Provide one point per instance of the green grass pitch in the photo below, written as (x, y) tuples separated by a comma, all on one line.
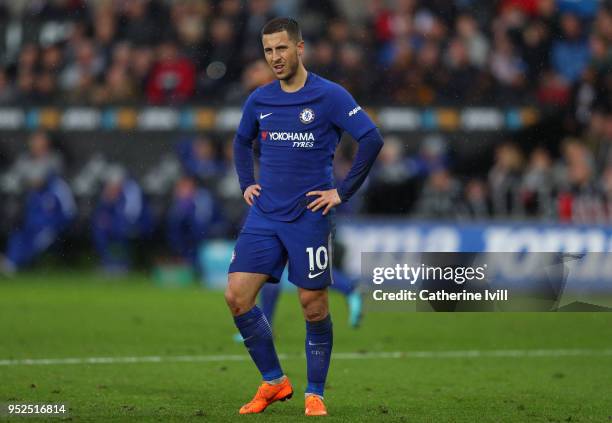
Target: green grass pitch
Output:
[(58, 316)]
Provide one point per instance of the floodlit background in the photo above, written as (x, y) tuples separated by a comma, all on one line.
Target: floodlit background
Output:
[(117, 178)]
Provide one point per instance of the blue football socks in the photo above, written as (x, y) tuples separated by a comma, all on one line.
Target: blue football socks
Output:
[(268, 297), (319, 341), (257, 335)]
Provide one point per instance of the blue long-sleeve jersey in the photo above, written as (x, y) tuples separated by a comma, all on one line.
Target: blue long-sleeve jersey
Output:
[(298, 133)]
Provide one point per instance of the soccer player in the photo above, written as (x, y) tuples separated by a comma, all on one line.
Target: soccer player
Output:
[(298, 121)]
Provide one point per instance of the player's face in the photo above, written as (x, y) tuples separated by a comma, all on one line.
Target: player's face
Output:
[(282, 54)]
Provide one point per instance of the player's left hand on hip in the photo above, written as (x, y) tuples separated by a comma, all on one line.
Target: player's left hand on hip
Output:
[(327, 200)]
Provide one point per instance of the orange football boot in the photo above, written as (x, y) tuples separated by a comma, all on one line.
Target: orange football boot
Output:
[(266, 395), (314, 406)]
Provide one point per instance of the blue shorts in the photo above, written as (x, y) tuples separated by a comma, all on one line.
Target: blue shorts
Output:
[(265, 246)]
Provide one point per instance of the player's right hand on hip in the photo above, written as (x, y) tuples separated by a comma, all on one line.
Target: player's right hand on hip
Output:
[(250, 192)]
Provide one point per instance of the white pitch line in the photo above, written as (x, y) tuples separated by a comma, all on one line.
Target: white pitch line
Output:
[(335, 356)]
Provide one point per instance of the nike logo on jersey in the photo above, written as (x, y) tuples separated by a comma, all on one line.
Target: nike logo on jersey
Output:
[(262, 116), (310, 275)]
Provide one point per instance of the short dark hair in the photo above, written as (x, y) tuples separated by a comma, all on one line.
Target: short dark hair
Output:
[(283, 24)]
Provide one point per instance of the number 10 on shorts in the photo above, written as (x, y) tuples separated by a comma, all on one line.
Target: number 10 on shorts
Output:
[(319, 257)]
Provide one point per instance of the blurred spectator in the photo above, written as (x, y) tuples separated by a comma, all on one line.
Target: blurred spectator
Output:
[(476, 204), (461, 73), (121, 217), (158, 184), (603, 23), (143, 22), (40, 154), (583, 97), (79, 76), (28, 58), (321, 59), (553, 90), (45, 86), (476, 43), (434, 73), (121, 55), (602, 134), (190, 219), (433, 155), (199, 159), (116, 88), (404, 39), (141, 63), (582, 8), (508, 69), (596, 139), (535, 45), (440, 196), (172, 78), (189, 19), (393, 80), (505, 180), (391, 166), (570, 55), (581, 200), (105, 30), (539, 184), (48, 212), (391, 189), (26, 88), (355, 75)]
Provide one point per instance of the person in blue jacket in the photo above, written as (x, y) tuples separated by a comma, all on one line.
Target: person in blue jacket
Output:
[(190, 219), (120, 217), (49, 210), (198, 158)]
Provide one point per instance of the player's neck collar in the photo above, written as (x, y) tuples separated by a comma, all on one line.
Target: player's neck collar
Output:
[(308, 74)]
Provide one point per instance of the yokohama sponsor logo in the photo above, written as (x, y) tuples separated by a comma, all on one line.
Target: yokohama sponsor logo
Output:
[(288, 136)]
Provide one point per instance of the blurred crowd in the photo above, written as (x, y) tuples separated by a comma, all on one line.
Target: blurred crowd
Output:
[(404, 51), (573, 184), (555, 53), (187, 197), (193, 194)]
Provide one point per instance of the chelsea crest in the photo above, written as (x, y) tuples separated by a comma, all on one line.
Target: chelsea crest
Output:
[(307, 116)]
